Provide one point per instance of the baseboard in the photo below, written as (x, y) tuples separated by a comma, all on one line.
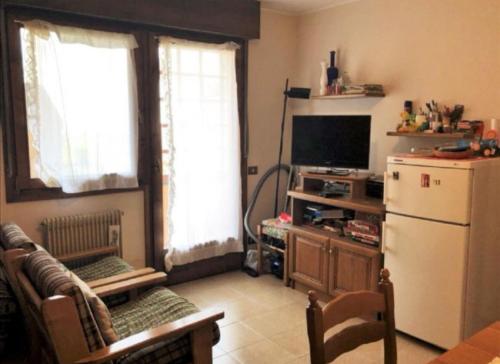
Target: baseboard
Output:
[(205, 268)]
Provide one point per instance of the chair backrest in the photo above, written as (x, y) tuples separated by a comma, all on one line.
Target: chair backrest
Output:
[(57, 310), (347, 306)]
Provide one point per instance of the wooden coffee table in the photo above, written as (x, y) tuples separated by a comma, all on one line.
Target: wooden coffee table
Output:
[(481, 348)]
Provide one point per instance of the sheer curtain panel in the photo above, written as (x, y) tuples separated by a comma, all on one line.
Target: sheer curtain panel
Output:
[(201, 142), (81, 104)]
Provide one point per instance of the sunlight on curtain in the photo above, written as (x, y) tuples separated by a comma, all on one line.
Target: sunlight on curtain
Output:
[(81, 103), (201, 140)]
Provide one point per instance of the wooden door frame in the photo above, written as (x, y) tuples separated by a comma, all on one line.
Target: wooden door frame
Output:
[(154, 217)]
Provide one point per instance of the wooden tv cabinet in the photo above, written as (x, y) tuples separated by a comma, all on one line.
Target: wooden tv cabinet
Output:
[(323, 260)]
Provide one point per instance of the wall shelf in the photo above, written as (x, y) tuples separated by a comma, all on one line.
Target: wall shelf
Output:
[(431, 135), (355, 96)]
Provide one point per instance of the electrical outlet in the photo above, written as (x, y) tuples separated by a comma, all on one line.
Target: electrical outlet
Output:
[(252, 170), (114, 235)]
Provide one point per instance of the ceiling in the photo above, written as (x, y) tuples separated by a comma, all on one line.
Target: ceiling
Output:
[(301, 6)]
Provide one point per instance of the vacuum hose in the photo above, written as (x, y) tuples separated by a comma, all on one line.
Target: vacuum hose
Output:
[(255, 195)]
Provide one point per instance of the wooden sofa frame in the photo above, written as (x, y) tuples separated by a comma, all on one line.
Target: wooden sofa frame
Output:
[(57, 317), (126, 282)]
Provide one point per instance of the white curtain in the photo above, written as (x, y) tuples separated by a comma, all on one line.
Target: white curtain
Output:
[(81, 103), (201, 140)]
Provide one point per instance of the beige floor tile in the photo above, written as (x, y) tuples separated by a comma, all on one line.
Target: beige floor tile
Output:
[(263, 352), (236, 336), (356, 357), (225, 359), (221, 294), (233, 278), (294, 341), (206, 295), (373, 351), (413, 351), (301, 360), (265, 322), (217, 351), (271, 297), (237, 310), (279, 320)]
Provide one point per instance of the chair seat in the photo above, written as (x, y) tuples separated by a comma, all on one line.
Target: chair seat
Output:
[(154, 308), (103, 268)]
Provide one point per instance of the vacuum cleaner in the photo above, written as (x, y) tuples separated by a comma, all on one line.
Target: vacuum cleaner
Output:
[(250, 265)]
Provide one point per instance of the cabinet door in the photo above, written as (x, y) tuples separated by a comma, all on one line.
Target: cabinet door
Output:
[(352, 267), (309, 260)]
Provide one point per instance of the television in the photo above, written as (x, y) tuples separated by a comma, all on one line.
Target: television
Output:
[(334, 141)]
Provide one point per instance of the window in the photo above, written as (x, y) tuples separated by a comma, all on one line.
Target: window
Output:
[(201, 144), (81, 107), (96, 129), (80, 114)]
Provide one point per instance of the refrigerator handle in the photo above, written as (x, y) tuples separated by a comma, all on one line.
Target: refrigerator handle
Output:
[(386, 179), (383, 247)]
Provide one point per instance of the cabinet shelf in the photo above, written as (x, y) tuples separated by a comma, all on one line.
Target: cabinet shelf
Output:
[(431, 135), (353, 96), (367, 205)]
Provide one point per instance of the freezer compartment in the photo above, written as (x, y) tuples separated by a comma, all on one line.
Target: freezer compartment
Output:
[(427, 261), (441, 194)]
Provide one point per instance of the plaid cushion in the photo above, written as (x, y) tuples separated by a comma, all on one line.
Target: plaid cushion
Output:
[(99, 310), (154, 308), (49, 279), (13, 237), (103, 268)]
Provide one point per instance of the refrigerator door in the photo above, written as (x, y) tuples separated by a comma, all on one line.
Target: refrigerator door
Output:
[(427, 263), (441, 194)]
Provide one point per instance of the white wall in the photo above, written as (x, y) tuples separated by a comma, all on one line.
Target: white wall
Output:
[(272, 59), (28, 215), (446, 50)]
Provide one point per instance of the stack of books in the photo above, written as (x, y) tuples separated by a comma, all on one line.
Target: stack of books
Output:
[(368, 89), (363, 232)]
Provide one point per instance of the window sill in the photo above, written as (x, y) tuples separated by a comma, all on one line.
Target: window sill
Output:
[(41, 194)]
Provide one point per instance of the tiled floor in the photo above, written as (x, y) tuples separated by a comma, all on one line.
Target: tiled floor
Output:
[(265, 323)]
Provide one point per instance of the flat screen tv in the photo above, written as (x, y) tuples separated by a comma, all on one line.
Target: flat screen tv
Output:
[(334, 141)]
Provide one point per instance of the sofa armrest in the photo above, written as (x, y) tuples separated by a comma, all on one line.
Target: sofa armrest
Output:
[(198, 322), (120, 277), (131, 284)]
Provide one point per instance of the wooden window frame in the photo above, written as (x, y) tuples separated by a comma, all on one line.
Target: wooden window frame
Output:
[(19, 185), (150, 150)]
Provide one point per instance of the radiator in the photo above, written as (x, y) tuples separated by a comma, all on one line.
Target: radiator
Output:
[(82, 236)]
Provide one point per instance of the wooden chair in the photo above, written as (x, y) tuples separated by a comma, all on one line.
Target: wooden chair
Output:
[(55, 323), (359, 304)]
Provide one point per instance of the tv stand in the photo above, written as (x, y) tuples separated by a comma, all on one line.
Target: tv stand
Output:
[(322, 258)]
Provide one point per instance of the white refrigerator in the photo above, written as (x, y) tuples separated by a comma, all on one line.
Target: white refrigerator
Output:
[(441, 243)]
